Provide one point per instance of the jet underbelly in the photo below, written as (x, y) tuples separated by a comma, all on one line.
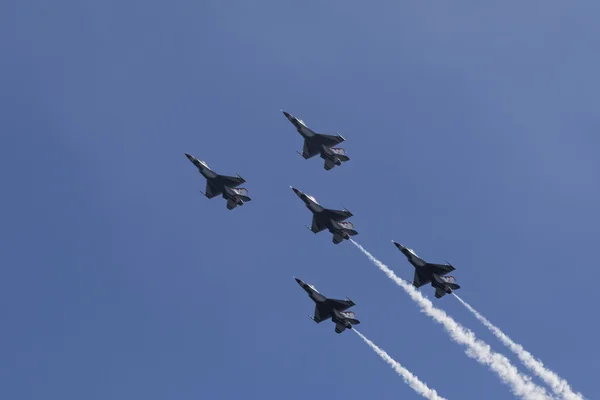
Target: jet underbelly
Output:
[(208, 174), (315, 207), (304, 131), (417, 261), (317, 297)]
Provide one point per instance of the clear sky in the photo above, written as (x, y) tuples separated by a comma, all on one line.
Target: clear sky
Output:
[(473, 131)]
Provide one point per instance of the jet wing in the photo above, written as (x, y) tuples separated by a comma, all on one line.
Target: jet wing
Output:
[(211, 190), (329, 140), (423, 274), (231, 181), (420, 278), (312, 146), (310, 149), (440, 269), (338, 215), (316, 225), (340, 305), (321, 313), (323, 310)]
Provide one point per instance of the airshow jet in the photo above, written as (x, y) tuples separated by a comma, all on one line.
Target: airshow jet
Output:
[(330, 308), (426, 272), (323, 218), (318, 143), (221, 184)]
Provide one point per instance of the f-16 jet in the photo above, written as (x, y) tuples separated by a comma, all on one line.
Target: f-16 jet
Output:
[(426, 272), (323, 218), (221, 184), (318, 143), (330, 308)]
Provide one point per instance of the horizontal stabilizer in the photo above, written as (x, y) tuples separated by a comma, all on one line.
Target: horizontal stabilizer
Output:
[(337, 238), (231, 204), (329, 164), (439, 293), (339, 328)]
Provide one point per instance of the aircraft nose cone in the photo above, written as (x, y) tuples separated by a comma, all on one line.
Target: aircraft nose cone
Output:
[(296, 191), (299, 281), (189, 157), (398, 245), (288, 116)]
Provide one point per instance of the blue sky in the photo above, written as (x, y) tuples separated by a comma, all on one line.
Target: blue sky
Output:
[(473, 132)]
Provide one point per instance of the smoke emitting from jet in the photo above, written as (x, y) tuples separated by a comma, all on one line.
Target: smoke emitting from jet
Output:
[(557, 384), (521, 385), (412, 381)]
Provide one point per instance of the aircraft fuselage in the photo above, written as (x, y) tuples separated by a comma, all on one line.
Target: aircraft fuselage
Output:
[(314, 207), (312, 292), (204, 170)]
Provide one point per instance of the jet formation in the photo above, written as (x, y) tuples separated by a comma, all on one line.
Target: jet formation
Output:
[(326, 219)]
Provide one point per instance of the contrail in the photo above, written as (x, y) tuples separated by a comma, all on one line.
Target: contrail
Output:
[(412, 381), (559, 386), (521, 385)]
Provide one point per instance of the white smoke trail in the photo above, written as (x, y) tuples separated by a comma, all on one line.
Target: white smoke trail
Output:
[(412, 381), (521, 385), (559, 386)]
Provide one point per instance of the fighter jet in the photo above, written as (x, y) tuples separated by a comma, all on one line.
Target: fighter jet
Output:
[(317, 143), (426, 272), (324, 218), (221, 184), (330, 308)]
